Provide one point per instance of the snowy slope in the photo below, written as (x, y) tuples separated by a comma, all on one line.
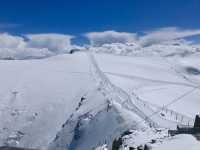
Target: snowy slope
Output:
[(42, 96), (79, 102), (155, 79), (103, 116), (37, 96)]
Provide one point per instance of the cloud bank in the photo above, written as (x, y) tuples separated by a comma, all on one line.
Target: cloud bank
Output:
[(9, 41), (43, 45), (35, 45), (151, 37), (108, 37), (166, 34), (53, 42), (167, 41)]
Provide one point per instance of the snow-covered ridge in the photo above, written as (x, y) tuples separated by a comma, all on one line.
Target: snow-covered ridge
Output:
[(161, 49)]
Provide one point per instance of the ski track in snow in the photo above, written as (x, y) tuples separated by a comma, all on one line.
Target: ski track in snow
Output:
[(124, 100), (146, 112), (132, 77)]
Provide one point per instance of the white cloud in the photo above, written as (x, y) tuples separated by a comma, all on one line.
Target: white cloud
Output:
[(36, 46), (42, 45), (107, 37), (54, 42), (166, 34), (152, 37), (9, 41)]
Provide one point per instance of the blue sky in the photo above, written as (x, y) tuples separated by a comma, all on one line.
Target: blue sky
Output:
[(80, 16)]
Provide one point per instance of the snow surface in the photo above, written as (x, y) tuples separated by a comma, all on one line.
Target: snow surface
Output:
[(81, 101), (182, 142), (154, 79), (159, 141), (37, 96)]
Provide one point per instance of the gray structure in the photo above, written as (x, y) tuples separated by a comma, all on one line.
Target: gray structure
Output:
[(195, 130)]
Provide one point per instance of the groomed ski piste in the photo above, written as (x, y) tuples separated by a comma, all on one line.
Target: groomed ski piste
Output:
[(86, 100)]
